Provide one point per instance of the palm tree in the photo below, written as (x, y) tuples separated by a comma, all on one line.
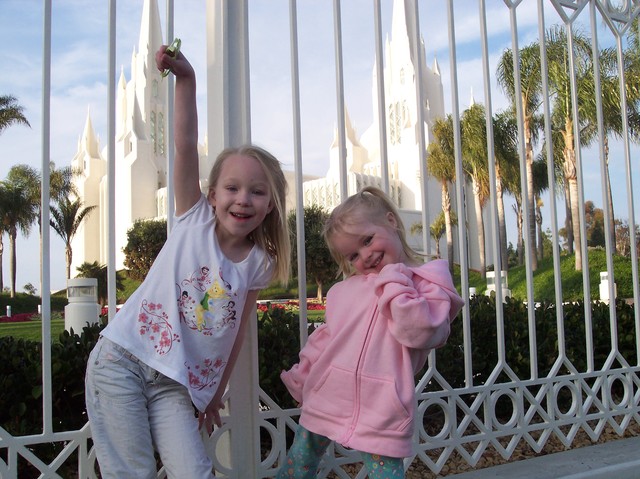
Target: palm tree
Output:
[(100, 272), (11, 112), (19, 216), (507, 166), (441, 165), (474, 148), (541, 183), (612, 111), (562, 117), (66, 219), (436, 229), (530, 100), (30, 180)]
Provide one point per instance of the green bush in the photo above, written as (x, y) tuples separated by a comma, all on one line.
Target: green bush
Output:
[(278, 347), (484, 329), (26, 303), (21, 381), (278, 331)]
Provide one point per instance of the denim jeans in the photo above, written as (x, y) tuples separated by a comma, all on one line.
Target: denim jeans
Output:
[(133, 409)]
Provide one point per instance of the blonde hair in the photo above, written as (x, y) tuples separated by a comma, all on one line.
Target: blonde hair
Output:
[(369, 205), (273, 233)]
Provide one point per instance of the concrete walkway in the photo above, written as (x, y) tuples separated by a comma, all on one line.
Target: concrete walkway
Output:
[(618, 459)]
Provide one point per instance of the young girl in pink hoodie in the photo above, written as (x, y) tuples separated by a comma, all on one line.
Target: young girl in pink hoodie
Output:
[(355, 379)]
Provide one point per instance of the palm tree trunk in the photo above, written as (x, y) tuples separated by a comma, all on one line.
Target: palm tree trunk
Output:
[(517, 208), (446, 208), (539, 228), (1, 252), (571, 179), (12, 262), (480, 226), (612, 221), (69, 258), (530, 192), (502, 226), (568, 221)]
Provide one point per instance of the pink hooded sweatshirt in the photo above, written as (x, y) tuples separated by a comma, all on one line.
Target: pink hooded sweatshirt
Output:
[(355, 378)]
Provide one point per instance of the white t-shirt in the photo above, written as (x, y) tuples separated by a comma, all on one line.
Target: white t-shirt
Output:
[(183, 319)]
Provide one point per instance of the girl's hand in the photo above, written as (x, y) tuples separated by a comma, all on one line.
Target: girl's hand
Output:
[(211, 415), (173, 61)]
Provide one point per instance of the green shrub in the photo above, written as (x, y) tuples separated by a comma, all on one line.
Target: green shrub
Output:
[(278, 347), (278, 343), (483, 332), (26, 303)]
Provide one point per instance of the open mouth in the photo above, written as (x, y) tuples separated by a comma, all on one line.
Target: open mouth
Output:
[(377, 262)]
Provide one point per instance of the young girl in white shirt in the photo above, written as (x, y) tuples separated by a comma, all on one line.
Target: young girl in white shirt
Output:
[(174, 343)]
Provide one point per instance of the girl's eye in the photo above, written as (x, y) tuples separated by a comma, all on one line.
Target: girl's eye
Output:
[(352, 257), (231, 188), (367, 240), (259, 192)]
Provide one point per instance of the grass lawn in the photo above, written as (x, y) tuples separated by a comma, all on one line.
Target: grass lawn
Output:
[(31, 330)]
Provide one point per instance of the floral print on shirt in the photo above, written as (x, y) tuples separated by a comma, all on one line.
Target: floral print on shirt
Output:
[(206, 374), (155, 325)]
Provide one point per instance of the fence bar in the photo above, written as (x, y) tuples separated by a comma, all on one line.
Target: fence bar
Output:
[(382, 103), (44, 222), (111, 161), (297, 142), (342, 144)]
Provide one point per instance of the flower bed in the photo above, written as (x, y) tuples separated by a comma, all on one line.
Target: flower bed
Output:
[(16, 318), (292, 305)]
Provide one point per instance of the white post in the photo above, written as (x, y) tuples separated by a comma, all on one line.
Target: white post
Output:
[(228, 120)]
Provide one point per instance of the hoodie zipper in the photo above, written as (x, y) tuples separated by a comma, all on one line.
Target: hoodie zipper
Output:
[(358, 380)]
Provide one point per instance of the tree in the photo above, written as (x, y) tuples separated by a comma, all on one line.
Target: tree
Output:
[(10, 112), (507, 168), (29, 180), (318, 261), (612, 109), (145, 239), (530, 100), (66, 219), (441, 166), (623, 238), (560, 78), (436, 229), (18, 214), (474, 152), (594, 224), (100, 272), (30, 289)]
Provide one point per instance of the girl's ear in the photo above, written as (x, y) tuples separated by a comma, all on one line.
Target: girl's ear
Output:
[(391, 218), (211, 197)]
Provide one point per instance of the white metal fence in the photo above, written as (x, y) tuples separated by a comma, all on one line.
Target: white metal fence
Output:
[(469, 419)]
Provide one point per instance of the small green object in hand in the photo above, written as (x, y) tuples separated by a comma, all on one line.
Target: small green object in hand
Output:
[(172, 50)]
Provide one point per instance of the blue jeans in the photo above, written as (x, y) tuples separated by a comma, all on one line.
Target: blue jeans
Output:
[(133, 409)]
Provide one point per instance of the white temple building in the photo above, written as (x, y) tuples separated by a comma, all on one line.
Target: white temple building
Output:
[(141, 147)]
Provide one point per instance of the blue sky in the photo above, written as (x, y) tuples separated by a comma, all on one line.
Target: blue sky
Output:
[(79, 77)]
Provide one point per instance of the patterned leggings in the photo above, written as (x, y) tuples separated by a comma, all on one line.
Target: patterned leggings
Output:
[(307, 451)]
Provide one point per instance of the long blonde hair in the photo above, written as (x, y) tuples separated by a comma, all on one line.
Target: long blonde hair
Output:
[(273, 234), (370, 205)]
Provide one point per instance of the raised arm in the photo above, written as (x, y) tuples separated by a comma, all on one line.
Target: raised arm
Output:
[(186, 176)]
